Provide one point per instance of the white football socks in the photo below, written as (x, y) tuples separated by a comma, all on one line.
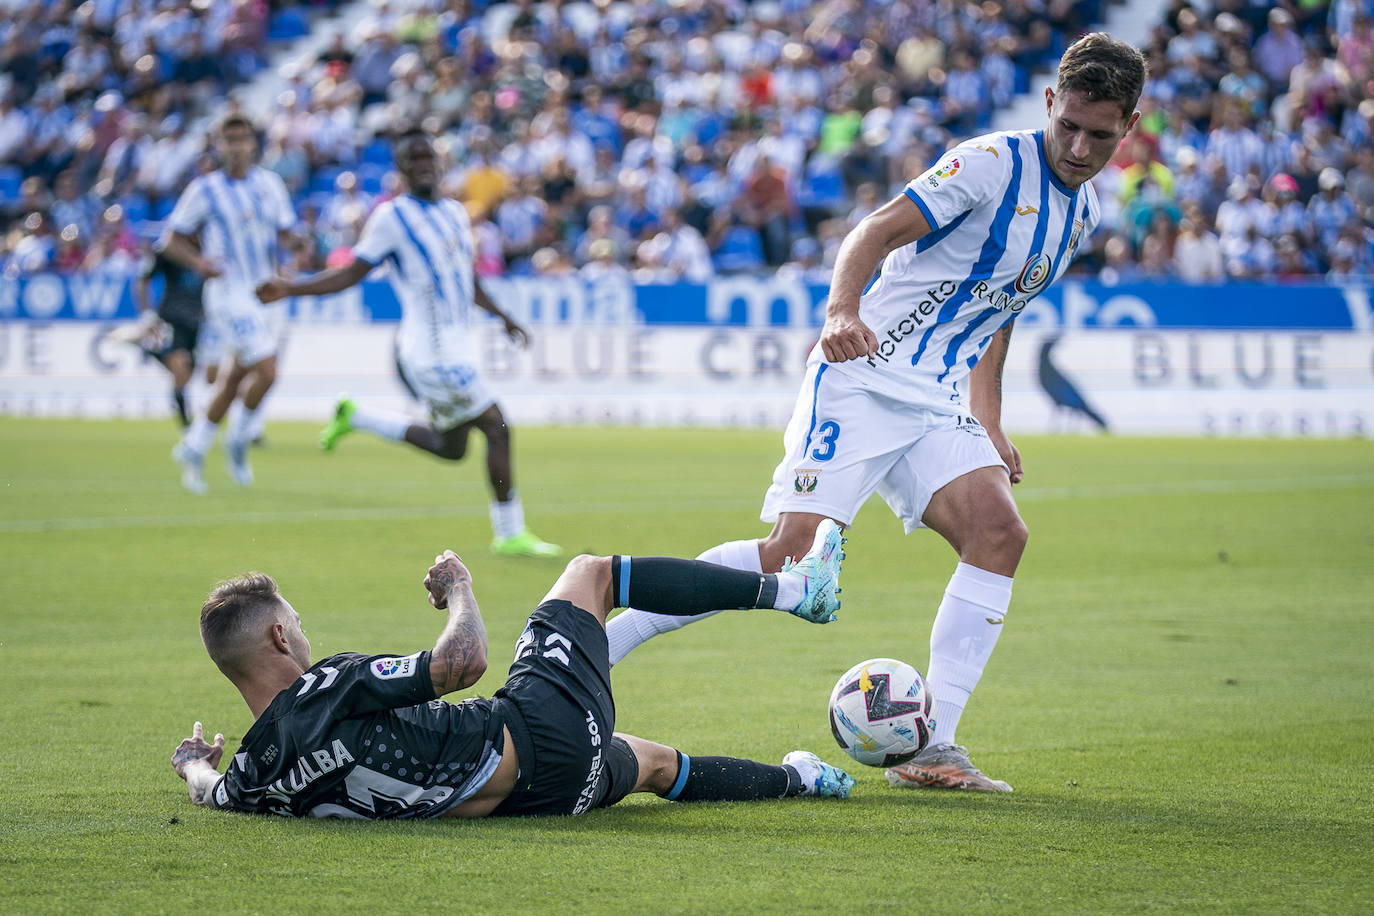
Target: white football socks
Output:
[(961, 641), (381, 423), (791, 590), (507, 518), (631, 628), (242, 423), (201, 435)]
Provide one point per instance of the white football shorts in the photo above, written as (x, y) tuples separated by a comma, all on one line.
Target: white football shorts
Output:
[(845, 442), (454, 392), (240, 323)]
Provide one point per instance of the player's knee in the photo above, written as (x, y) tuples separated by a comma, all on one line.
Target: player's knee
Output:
[(1008, 534), (589, 567), (451, 449), (496, 431)]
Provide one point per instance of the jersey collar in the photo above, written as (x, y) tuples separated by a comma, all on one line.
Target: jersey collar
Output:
[(1045, 164)]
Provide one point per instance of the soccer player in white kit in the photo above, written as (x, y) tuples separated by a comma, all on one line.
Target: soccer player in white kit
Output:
[(244, 214), (902, 395), (427, 243)]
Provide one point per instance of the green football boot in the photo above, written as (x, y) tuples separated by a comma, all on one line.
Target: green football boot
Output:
[(524, 544), (340, 426)]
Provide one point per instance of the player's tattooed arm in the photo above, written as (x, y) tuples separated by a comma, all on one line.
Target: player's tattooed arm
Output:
[(986, 396), (459, 658), (197, 762)]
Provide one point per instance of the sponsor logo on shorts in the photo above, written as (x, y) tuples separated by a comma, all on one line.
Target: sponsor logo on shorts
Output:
[(386, 669), (588, 793), (971, 426), (269, 755), (805, 481)]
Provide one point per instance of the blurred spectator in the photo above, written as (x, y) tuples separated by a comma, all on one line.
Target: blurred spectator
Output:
[(1330, 211), (1282, 214), (1233, 143), (34, 247), (1279, 49), (1197, 254)]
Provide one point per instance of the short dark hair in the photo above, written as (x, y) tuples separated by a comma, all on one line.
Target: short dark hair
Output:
[(232, 121), (1103, 69), (230, 616), (407, 131)]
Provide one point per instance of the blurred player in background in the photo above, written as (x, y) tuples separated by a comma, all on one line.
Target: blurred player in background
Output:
[(244, 214), (903, 395), (357, 736), (427, 243), (180, 307)]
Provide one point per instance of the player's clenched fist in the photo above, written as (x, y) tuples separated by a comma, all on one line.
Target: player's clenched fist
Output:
[(845, 337), (447, 573)]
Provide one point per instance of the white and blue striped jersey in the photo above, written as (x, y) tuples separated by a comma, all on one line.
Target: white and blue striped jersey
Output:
[(429, 248), (239, 219), (1003, 228)]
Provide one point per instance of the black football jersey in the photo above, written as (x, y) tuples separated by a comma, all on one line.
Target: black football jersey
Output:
[(181, 293), (362, 736)]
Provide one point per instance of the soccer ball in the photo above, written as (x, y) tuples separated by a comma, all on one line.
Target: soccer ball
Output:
[(880, 712)]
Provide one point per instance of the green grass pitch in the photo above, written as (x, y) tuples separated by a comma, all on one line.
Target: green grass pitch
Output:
[(1182, 697)]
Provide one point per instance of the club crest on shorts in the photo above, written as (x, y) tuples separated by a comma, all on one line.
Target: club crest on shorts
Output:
[(806, 480)]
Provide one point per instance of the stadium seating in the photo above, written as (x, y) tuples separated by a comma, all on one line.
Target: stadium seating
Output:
[(703, 111)]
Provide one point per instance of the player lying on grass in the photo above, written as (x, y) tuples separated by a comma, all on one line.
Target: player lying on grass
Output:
[(362, 736)]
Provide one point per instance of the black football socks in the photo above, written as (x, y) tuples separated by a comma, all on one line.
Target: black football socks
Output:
[(702, 779), (668, 585)]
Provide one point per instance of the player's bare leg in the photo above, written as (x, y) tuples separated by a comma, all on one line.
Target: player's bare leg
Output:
[(253, 388), (511, 537), (977, 514), (178, 363)]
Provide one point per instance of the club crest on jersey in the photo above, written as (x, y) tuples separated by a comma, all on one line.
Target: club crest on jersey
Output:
[(944, 171), (385, 669), (1073, 239), (1034, 275), (806, 480)]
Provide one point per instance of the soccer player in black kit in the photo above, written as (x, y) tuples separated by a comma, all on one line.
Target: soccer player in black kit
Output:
[(365, 736), (181, 308)]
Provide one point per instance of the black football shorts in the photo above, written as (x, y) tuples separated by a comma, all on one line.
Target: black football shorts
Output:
[(557, 704)]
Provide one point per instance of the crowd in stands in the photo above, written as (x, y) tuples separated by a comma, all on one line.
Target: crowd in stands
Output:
[(1254, 157), (676, 139)]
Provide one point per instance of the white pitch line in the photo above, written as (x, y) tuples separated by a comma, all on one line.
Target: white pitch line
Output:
[(398, 513)]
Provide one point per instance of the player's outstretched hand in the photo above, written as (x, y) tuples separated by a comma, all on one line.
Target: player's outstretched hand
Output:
[(194, 748), (518, 335), (845, 337), (447, 573), (272, 290)]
